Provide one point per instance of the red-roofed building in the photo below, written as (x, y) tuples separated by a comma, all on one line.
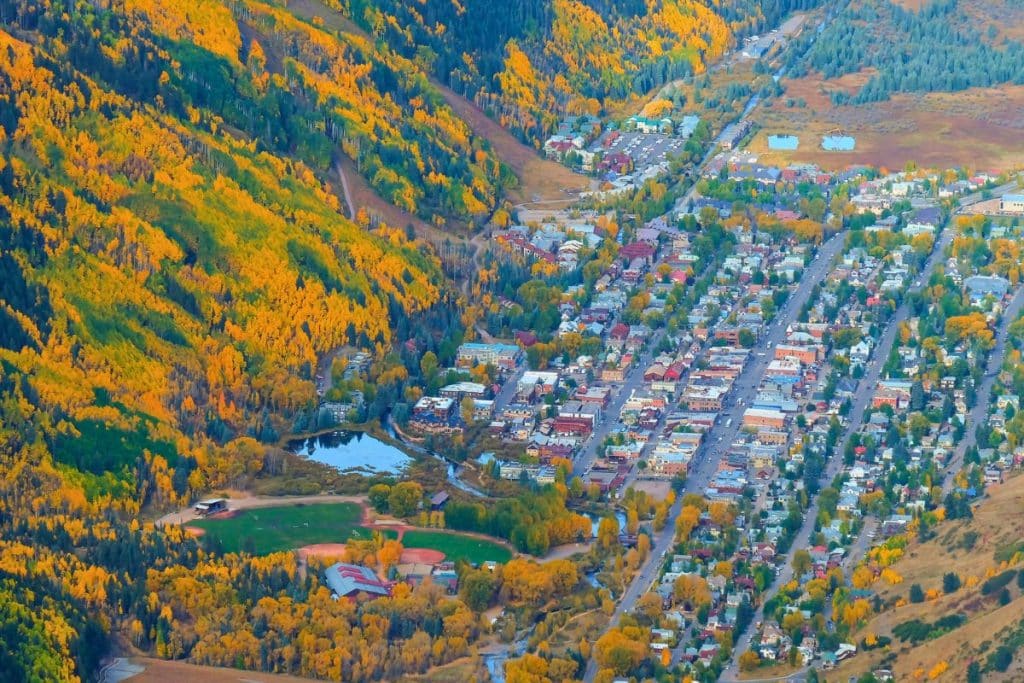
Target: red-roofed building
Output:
[(637, 250), (619, 332), (526, 339)]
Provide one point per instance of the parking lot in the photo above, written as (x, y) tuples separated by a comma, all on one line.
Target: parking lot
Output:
[(646, 149)]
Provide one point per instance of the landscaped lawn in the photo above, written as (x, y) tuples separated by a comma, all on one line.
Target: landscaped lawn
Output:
[(457, 546), (267, 530)]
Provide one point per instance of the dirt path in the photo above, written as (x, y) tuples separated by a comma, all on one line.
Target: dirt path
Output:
[(564, 552), (345, 191), (186, 515)]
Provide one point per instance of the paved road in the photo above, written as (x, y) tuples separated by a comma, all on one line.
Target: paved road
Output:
[(744, 389), (706, 461), (980, 412), (634, 380), (865, 389), (508, 389), (971, 199)]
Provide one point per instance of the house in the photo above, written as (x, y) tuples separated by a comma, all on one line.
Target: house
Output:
[(438, 500), (354, 582)]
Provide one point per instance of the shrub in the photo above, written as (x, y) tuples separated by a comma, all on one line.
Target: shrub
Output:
[(916, 594), (998, 581), (916, 631), (950, 582), (1001, 659)]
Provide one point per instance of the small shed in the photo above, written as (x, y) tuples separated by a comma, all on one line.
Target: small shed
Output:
[(438, 500), (211, 506)]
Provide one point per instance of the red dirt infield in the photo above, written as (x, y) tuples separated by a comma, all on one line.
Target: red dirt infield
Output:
[(421, 556)]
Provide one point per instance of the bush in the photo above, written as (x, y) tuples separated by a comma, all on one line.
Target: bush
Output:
[(916, 631), (1004, 597), (1001, 659), (916, 594), (950, 582), (998, 582)]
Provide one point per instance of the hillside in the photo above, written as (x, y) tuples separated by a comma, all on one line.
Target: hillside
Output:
[(299, 89), (527, 63), (164, 272), (984, 553), (934, 82), (936, 46)]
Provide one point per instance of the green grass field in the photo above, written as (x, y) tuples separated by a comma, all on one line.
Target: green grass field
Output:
[(267, 530), (457, 546)]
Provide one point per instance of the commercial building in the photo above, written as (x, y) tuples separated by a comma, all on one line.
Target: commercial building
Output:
[(1012, 203)]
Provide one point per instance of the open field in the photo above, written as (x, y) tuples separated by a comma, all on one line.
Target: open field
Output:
[(656, 488), (974, 549), (457, 546), (161, 671), (459, 671), (978, 128), (271, 530)]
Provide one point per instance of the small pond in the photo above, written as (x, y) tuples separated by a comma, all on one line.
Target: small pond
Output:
[(352, 451)]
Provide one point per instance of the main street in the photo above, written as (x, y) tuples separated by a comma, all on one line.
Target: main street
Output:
[(984, 394), (721, 435), (865, 389), (634, 379)]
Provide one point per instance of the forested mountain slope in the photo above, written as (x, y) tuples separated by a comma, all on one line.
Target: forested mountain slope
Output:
[(296, 88), (936, 46), (528, 62), (167, 280), (171, 269)]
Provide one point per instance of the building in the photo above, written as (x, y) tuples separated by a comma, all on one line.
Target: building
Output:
[(211, 506), (599, 396), (437, 407), (669, 463), (1012, 203), (808, 355), (535, 384), (980, 286), (763, 417), (462, 389), (734, 134), (502, 356), (354, 582), (704, 398), (542, 474)]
